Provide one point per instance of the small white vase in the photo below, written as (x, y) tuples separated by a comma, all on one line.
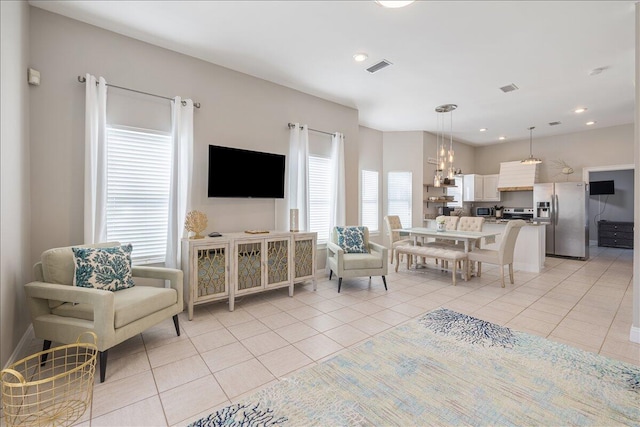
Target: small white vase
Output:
[(441, 226)]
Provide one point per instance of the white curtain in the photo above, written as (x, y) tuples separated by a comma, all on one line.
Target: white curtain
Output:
[(181, 173), (338, 197), (298, 175), (95, 160)]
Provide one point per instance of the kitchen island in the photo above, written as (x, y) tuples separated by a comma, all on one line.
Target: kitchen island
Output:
[(529, 253)]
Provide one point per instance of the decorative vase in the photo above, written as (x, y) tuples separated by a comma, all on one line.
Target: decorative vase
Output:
[(441, 226), (293, 220)]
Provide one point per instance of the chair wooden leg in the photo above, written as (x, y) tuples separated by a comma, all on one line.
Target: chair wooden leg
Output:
[(46, 345), (465, 268), (479, 268), (391, 256), (330, 274), (102, 356), (502, 275), (339, 283), (384, 280), (511, 272), (176, 323)]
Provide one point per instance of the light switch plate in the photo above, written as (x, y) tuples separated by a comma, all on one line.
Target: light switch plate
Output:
[(33, 77)]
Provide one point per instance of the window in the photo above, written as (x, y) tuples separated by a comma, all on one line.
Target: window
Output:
[(138, 176), (319, 196), (399, 196), (369, 200)]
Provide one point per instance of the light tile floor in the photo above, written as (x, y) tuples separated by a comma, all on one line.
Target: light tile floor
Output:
[(158, 378)]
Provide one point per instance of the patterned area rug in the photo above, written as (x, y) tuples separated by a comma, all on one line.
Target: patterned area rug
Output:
[(448, 368)]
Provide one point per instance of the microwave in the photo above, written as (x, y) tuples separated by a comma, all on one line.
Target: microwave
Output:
[(484, 212)]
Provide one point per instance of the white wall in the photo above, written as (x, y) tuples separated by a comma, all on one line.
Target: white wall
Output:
[(370, 147), (237, 111), (594, 147), (15, 260)]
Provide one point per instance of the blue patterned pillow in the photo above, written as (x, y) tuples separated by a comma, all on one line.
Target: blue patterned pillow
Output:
[(108, 269), (351, 240)]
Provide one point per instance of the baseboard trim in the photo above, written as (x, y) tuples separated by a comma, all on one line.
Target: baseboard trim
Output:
[(19, 350), (634, 334)]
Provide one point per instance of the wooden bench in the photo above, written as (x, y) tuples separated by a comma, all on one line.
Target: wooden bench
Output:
[(434, 252)]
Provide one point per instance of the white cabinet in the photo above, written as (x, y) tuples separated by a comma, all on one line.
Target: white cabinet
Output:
[(239, 264), (481, 188), (490, 191)]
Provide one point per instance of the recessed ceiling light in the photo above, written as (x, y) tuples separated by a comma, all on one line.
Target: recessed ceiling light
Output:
[(502, 138), (580, 110), (483, 130), (590, 123), (359, 57), (394, 4)]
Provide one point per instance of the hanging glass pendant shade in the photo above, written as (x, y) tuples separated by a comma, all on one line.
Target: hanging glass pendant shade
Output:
[(531, 160), (444, 152)]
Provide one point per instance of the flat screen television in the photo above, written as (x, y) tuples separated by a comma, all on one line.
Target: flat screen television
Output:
[(245, 174), (597, 188)]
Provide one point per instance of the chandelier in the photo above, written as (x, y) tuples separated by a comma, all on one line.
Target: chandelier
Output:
[(531, 160), (444, 150)]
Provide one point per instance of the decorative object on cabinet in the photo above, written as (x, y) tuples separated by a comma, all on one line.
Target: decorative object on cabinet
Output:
[(444, 155), (236, 264), (195, 222), (294, 219), (615, 234), (531, 160)]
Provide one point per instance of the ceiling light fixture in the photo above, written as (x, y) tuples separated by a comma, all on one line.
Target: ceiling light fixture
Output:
[(579, 110), (444, 166), (394, 4), (502, 138), (531, 160), (359, 57), (590, 123), (483, 129)]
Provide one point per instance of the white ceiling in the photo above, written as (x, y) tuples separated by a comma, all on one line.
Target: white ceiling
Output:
[(442, 52)]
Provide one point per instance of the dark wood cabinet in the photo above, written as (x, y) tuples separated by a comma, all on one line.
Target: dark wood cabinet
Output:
[(615, 234)]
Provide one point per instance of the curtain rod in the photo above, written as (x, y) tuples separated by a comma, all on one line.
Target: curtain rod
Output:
[(82, 79), (290, 125)]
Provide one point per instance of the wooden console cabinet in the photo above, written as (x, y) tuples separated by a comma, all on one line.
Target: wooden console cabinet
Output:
[(237, 264), (615, 234)]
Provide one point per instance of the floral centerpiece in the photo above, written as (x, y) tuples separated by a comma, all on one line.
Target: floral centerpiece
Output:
[(440, 223)]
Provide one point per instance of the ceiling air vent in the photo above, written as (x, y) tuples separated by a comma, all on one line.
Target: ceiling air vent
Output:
[(379, 66), (554, 123), (509, 88)]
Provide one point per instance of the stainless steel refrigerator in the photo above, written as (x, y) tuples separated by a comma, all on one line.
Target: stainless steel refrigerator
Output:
[(562, 206)]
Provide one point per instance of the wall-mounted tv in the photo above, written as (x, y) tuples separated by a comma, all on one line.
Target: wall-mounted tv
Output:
[(245, 174), (597, 188)]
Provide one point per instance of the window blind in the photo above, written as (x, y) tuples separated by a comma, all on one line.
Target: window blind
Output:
[(399, 196), (138, 176), (369, 200), (319, 196)]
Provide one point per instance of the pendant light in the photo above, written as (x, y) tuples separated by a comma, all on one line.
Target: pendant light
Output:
[(531, 160), (444, 154)]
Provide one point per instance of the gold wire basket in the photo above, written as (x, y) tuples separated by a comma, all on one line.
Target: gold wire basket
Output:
[(56, 392)]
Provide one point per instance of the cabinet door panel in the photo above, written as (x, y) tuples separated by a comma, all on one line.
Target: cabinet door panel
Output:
[(249, 265), (304, 258), (212, 272), (278, 261)]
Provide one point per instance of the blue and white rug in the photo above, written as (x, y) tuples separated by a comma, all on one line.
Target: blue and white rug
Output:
[(448, 368)]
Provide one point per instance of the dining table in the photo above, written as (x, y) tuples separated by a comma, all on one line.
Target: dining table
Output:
[(469, 238)]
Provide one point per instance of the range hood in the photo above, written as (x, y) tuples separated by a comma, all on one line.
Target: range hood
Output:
[(517, 176)]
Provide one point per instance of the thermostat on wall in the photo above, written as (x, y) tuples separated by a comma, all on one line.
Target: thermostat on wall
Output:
[(33, 77)]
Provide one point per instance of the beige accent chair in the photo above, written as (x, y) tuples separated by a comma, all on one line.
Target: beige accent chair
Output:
[(502, 256), (346, 265), (393, 223), (60, 312)]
